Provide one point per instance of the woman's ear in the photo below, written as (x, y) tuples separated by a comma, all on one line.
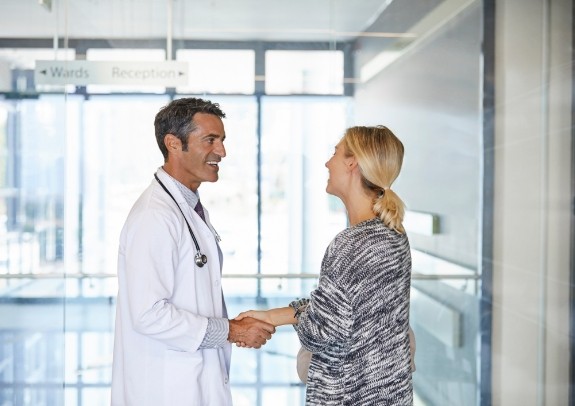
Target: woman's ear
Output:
[(351, 163)]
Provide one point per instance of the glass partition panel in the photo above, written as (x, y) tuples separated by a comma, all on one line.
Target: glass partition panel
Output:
[(119, 157), (34, 180), (299, 218), (37, 182), (444, 319)]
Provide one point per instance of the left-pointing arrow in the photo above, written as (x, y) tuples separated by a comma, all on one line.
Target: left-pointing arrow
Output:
[(43, 72)]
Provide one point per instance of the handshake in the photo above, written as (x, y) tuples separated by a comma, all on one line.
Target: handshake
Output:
[(251, 329)]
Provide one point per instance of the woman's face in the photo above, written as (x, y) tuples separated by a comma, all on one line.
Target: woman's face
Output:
[(339, 170)]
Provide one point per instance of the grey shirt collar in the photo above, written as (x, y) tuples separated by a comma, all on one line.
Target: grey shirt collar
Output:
[(191, 197)]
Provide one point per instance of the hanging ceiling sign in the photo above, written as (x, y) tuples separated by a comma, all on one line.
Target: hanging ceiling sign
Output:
[(82, 73)]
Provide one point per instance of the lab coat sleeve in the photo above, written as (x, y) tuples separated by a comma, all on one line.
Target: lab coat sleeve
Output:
[(152, 252)]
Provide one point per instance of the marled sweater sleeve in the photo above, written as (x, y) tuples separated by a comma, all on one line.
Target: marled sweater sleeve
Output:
[(327, 319)]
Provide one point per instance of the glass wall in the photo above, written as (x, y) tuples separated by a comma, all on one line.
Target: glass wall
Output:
[(489, 305)]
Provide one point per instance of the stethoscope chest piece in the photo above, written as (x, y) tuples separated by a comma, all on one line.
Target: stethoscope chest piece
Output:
[(201, 259)]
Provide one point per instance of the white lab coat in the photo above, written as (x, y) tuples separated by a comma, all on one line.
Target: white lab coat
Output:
[(164, 302)]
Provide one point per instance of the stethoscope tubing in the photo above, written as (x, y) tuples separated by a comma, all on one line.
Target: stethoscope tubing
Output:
[(200, 258)]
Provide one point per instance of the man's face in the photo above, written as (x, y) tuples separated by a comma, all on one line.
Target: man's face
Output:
[(200, 162)]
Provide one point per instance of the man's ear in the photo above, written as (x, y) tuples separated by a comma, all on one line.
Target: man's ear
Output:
[(172, 143)]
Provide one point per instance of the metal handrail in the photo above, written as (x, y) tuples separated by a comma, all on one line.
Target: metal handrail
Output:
[(414, 275)]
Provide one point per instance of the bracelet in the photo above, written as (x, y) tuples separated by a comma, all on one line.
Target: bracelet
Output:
[(299, 311), (299, 306)]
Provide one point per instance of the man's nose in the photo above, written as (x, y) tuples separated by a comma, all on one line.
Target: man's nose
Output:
[(220, 150)]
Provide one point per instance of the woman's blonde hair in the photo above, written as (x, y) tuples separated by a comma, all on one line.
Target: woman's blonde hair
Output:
[(379, 154)]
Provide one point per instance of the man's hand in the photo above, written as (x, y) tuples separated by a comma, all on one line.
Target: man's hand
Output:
[(249, 332)]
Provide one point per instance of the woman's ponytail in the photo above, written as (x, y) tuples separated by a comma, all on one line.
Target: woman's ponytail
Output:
[(390, 209)]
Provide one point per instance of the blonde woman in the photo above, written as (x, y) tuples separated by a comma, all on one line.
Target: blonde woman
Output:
[(356, 322)]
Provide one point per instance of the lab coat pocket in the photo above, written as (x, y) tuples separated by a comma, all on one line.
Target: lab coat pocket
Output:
[(182, 378)]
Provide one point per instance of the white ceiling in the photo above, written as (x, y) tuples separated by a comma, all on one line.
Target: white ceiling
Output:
[(268, 20)]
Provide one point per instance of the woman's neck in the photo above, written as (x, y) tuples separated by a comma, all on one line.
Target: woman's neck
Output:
[(359, 208), (357, 218), (358, 200)]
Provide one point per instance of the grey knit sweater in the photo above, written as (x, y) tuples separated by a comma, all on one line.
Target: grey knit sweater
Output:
[(356, 322)]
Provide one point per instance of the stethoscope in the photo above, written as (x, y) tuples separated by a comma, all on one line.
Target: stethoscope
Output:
[(200, 258)]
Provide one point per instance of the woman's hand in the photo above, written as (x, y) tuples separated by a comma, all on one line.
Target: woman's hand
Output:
[(277, 317), (263, 315)]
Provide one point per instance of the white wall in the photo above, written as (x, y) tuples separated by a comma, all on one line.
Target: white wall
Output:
[(532, 200)]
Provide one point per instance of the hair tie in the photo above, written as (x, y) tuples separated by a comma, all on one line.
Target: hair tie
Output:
[(381, 193)]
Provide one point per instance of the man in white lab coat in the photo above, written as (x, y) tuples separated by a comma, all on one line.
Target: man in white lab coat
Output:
[(173, 338)]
